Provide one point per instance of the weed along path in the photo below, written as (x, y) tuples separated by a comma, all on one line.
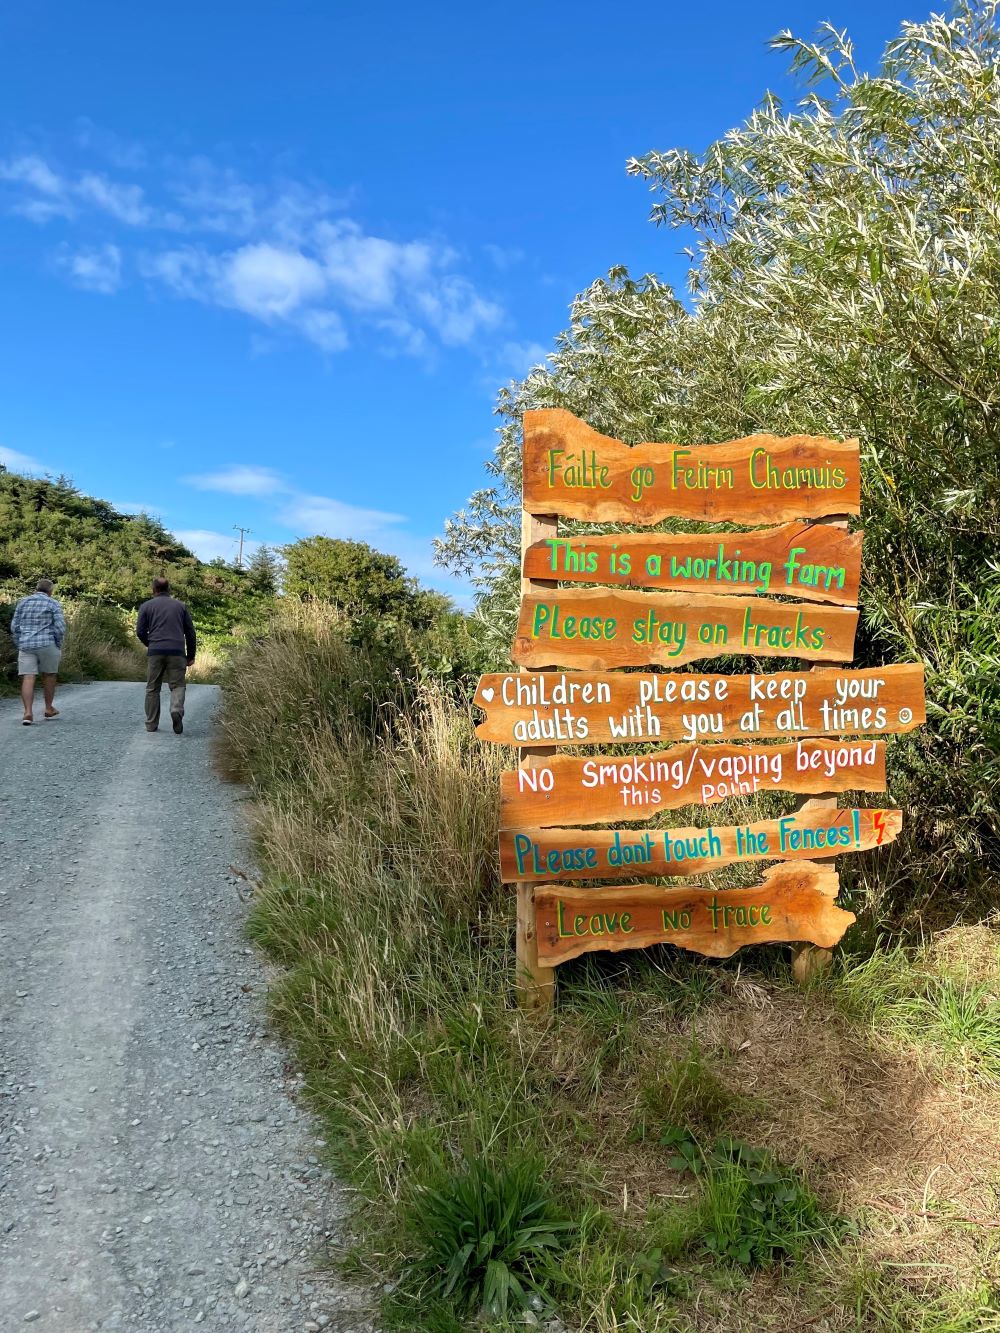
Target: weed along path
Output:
[(155, 1172)]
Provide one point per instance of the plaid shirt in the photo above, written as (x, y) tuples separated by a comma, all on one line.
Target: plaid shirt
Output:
[(38, 623)]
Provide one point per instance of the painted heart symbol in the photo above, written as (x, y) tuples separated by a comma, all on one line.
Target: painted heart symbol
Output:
[(487, 694)]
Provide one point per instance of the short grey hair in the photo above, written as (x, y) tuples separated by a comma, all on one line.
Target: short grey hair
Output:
[(44, 585)]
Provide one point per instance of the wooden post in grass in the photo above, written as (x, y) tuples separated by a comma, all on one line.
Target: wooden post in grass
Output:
[(808, 960), (535, 983)]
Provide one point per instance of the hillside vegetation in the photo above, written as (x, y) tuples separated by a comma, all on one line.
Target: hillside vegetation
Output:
[(103, 562), (686, 1145)]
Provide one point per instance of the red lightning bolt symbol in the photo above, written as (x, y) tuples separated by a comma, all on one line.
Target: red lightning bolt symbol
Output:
[(878, 822)]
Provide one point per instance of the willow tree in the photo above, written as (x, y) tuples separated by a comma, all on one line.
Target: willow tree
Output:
[(845, 280)]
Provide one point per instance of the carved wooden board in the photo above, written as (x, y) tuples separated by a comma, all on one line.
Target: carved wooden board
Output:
[(794, 902), (574, 471), (609, 788), (575, 853), (595, 628), (576, 707), (812, 561)]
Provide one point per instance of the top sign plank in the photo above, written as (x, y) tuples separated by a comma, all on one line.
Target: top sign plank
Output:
[(573, 471)]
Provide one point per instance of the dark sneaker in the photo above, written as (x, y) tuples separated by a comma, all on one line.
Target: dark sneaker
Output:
[(151, 726), (178, 722)]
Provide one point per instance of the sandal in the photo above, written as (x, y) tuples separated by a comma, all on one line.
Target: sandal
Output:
[(52, 712), (27, 721)]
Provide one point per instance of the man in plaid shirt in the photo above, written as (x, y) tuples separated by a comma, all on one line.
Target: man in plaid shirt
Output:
[(38, 629)]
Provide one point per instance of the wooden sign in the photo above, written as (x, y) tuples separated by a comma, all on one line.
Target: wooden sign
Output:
[(574, 471), (573, 708), (813, 561), (610, 788), (795, 902), (576, 853), (595, 628)]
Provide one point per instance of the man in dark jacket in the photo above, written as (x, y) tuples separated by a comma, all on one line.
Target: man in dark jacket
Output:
[(166, 628)]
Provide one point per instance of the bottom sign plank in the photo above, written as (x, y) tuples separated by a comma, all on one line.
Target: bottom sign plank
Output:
[(795, 902)]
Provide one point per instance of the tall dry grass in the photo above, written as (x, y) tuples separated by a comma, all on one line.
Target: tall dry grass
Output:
[(376, 823)]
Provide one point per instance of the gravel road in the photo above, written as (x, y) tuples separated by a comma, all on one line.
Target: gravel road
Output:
[(155, 1171)]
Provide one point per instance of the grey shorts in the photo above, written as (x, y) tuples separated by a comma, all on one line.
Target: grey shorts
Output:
[(38, 661)]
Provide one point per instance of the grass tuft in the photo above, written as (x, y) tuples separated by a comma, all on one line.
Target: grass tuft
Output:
[(484, 1233)]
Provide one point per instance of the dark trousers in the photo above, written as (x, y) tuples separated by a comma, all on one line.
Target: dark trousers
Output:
[(174, 669)]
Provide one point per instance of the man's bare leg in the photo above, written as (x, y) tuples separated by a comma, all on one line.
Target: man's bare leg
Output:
[(49, 690), (27, 695)]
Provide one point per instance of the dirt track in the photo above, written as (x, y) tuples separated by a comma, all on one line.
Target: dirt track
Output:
[(155, 1172)]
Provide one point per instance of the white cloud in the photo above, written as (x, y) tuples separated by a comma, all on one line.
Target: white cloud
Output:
[(126, 203), (214, 199), (325, 328), (120, 152), (406, 337), (455, 309), (369, 270), (520, 357), (31, 170), (269, 282), (17, 462), (504, 256), (209, 545), (97, 269), (320, 515), (47, 194), (240, 479), (188, 272), (274, 252), (305, 514)]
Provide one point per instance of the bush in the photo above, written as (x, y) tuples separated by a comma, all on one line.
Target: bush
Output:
[(99, 645), (846, 260)]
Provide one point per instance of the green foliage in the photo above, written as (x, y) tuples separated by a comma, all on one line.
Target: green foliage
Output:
[(96, 555), (99, 645), (483, 1233), (376, 818), (955, 1016), (353, 576), (90, 549), (879, 1299), (264, 571), (753, 1210), (844, 277)]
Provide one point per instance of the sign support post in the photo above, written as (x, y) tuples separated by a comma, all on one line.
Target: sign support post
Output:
[(809, 960), (535, 983)]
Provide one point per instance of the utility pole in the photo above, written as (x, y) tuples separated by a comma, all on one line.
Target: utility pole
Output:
[(243, 533)]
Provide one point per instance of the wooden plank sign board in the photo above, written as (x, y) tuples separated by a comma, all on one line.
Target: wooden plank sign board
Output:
[(656, 599), (794, 902), (576, 853), (812, 561), (596, 628), (610, 788), (576, 707), (573, 471)]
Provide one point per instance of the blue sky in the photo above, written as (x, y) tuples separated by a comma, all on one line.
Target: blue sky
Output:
[(267, 263)]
